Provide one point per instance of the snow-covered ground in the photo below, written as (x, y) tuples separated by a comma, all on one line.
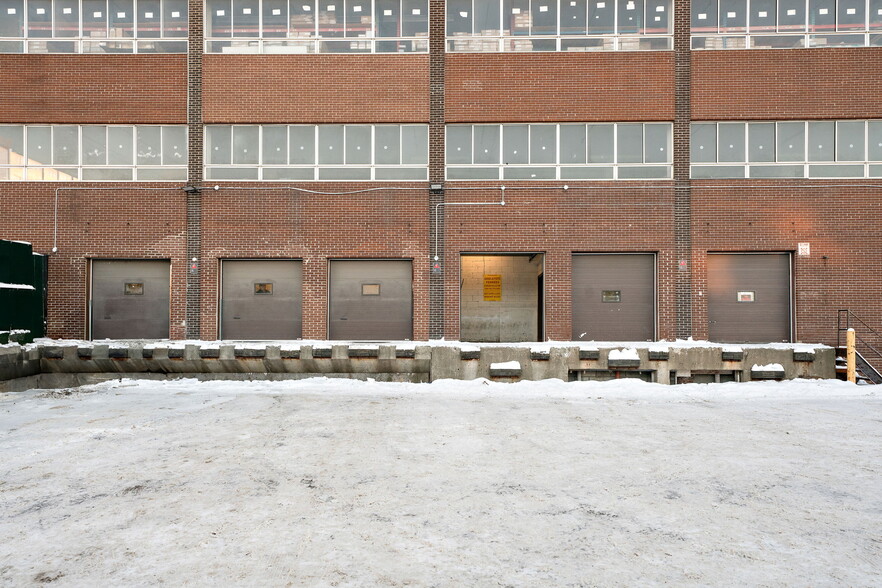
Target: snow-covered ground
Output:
[(336, 482)]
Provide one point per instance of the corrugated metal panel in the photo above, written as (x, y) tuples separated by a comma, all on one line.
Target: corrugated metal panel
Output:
[(613, 297), (130, 299), (371, 300), (732, 280), (262, 299)]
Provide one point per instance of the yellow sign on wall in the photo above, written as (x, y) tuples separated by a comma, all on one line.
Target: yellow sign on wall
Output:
[(492, 288)]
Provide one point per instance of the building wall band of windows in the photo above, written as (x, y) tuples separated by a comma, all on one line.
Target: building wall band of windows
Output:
[(93, 26), (559, 151), (64, 153), (814, 149), (317, 152), (317, 26), (772, 24), (559, 25)]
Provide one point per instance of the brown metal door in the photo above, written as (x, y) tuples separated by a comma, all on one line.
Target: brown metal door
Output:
[(748, 297), (130, 299), (261, 299), (613, 297), (371, 300)]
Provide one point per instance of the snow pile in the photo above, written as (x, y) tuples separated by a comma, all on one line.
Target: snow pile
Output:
[(619, 354), (772, 367), (505, 365), (5, 286)]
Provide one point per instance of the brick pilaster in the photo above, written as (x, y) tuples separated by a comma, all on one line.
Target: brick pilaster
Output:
[(194, 168), (437, 16), (682, 185)]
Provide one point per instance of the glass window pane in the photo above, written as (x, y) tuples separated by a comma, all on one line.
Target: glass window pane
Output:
[(387, 15), (330, 144), (821, 136), (791, 141), (875, 140), (149, 18), (218, 18), (630, 16), (822, 16), (245, 144), (415, 145), (174, 18), (387, 141), (573, 17), (331, 17), (275, 18), (515, 17), (11, 144), (630, 143), (515, 140), (658, 140), (122, 18), (486, 144), (703, 143), (120, 149), (791, 15), (174, 145), (704, 16), (573, 145), (544, 15), (601, 17), (543, 143), (245, 18), (733, 16), (731, 142), (218, 144), (763, 16), (459, 144), (658, 17), (415, 18), (40, 18), (849, 141), (95, 18), (12, 18), (94, 145), (303, 18), (358, 144), (67, 18), (459, 17), (852, 15), (65, 140), (40, 145), (302, 144), (761, 141), (875, 15), (150, 145), (275, 145), (358, 18), (600, 143)]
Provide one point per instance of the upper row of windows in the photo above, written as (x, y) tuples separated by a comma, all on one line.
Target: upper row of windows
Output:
[(544, 151), (402, 26)]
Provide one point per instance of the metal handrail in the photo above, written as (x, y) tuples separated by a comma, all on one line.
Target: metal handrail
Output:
[(845, 316)]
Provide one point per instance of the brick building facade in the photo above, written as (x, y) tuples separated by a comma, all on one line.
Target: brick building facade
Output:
[(702, 143)]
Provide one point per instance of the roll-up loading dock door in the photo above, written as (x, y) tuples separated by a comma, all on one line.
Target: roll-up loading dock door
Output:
[(261, 299), (748, 297), (370, 300), (613, 297), (130, 299)]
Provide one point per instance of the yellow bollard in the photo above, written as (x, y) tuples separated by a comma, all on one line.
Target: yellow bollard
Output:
[(849, 356)]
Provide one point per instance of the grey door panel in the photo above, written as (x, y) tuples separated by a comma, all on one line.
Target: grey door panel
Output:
[(371, 300), (262, 299), (732, 281), (130, 299), (613, 297)]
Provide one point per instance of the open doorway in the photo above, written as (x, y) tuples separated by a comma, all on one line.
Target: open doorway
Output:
[(501, 297)]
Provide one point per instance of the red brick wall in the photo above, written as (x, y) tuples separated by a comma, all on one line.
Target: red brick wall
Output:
[(840, 223), (290, 89), (278, 223), (91, 89), (624, 217), (559, 87), (102, 224), (787, 84)]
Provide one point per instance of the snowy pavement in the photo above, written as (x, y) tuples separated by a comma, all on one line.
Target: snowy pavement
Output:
[(337, 482)]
